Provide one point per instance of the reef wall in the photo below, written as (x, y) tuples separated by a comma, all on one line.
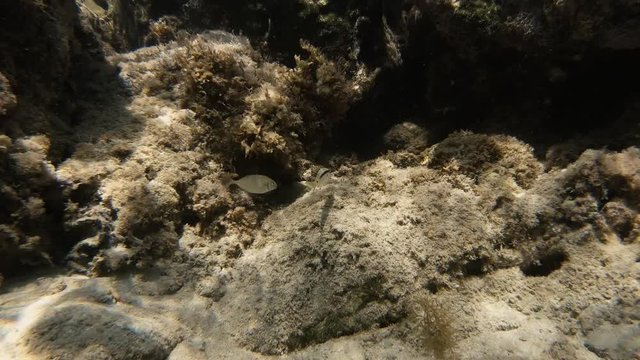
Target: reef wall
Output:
[(120, 121)]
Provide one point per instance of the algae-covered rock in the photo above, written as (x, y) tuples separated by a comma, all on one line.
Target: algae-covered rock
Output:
[(349, 256), (256, 109), (527, 25), (109, 328), (8, 99), (406, 136), (29, 194), (476, 155), (201, 108), (515, 237), (45, 52)]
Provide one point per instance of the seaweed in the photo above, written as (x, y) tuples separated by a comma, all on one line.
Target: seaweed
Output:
[(254, 109), (432, 323)]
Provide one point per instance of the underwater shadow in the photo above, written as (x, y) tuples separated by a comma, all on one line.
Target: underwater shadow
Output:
[(89, 329), (326, 209), (68, 91)]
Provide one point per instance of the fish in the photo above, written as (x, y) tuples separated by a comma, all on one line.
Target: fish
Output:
[(323, 177), (255, 184), (323, 173), (98, 7)]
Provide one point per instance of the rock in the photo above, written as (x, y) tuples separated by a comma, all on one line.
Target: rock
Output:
[(8, 100), (83, 321), (114, 165), (623, 37), (5, 143), (187, 350), (615, 342), (212, 287), (619, 217), (406, 136)]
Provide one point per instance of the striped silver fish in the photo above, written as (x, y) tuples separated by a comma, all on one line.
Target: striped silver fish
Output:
[(255, 184)]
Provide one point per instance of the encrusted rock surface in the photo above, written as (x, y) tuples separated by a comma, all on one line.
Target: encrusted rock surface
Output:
[(482, 199)]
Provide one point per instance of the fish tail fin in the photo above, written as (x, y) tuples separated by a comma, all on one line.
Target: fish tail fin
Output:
[(227, 179)]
